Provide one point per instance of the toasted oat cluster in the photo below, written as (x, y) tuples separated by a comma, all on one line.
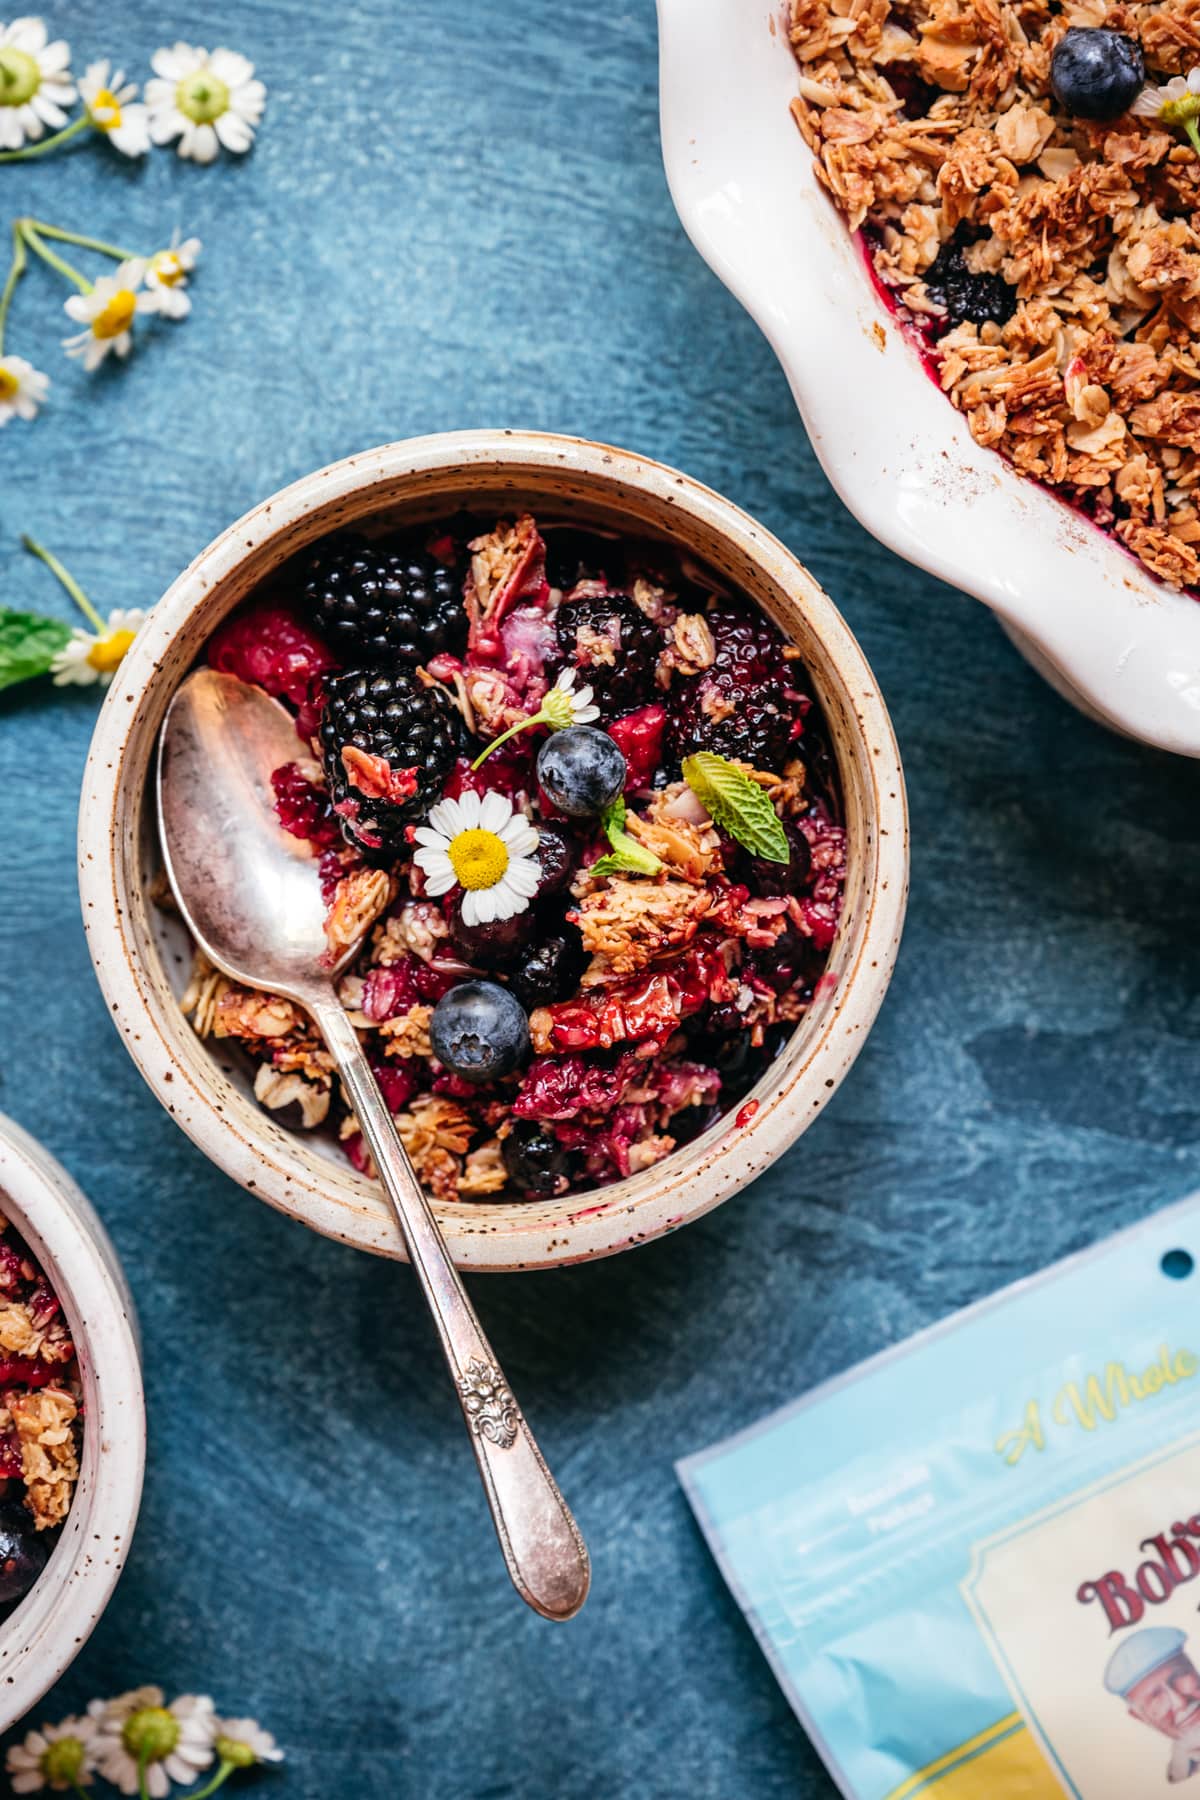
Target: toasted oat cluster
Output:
[(1051, 263), (39, 1406), (632, 965)]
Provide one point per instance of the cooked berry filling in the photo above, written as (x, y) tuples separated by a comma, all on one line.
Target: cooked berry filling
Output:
[(573, 813)]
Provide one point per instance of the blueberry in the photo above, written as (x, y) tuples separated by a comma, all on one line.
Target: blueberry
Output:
[(581, 770), (1095, 73), (535, 1160), (22, 1554), (479, 1031), (551, 970)]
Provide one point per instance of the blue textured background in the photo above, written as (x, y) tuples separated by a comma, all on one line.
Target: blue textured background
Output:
[(456, 215)]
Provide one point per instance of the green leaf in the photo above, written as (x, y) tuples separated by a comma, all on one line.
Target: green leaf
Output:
[(629, 857), (28, 645), (737, 804)]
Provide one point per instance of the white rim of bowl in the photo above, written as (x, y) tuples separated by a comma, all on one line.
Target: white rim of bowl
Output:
[(597, 1222)]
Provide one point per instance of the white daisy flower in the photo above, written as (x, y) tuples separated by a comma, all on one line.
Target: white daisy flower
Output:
[(35, 82), (114, 109), (479, 844), (243, 1742), (1176, 103), (137, 1732), (108, 311), (1151, 101), (564, 705), (167, 275), (90, 656), (22, 389), (58, 1757), (205, 101)]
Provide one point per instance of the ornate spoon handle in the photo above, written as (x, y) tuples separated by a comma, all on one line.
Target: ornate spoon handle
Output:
[(546, 1556)]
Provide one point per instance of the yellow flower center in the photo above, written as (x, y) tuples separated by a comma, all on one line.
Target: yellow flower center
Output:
[(62, 1761), (479, 858), (106, 110), (168, 268), (116, 317), (202, 97), (106, 653), (10, 387), (20, 77)]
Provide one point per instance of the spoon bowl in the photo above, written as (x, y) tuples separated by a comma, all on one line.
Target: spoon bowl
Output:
[(253, 892)]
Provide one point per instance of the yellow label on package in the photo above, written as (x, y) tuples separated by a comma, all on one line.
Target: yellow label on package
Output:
[(974, 1562)]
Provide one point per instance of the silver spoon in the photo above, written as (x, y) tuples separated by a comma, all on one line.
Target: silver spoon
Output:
[(250, 894)]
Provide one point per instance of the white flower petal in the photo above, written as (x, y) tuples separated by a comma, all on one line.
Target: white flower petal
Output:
[(435, 840), (204, 144), (248, 101), (231, 68), (470, 810), (519, 837), (233, 132), (180, 60), (28, 34), (447, 817), (495, 811), (522, 876)]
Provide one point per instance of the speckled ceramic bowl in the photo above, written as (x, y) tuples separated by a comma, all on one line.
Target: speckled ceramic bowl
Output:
[(142, 957), (45, 1634)]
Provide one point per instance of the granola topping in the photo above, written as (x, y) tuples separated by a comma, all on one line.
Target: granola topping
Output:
[(935, 128)]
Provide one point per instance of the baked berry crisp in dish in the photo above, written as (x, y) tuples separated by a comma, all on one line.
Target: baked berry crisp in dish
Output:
[(575, 792), (40, 1419), (1026, 179)]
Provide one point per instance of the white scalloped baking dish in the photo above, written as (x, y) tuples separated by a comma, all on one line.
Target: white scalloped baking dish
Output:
[(1108, 635)]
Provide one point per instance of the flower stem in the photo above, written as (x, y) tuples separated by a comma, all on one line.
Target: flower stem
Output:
[(16, 270), (68, 580), (143, 1760), (48, 256), (224, 1771), (78, 1790), (537, 718), (85, 243), (54, 142), (1189, 125)]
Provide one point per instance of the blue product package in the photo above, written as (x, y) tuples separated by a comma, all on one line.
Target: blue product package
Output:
[(974, 1561)]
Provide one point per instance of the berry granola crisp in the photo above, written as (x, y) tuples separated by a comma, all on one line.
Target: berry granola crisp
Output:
[(552, 993), (40, 1417), (1051, 261)]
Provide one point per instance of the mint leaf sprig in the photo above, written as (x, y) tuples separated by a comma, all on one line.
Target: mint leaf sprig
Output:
[(628, 856), (29, 643), (737, 804)]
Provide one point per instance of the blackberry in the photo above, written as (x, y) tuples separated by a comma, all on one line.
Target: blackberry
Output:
[(613, 645), (407, 735), (769, 879), (535, 1160), (964, 297), (380, 605), (739, 706)]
